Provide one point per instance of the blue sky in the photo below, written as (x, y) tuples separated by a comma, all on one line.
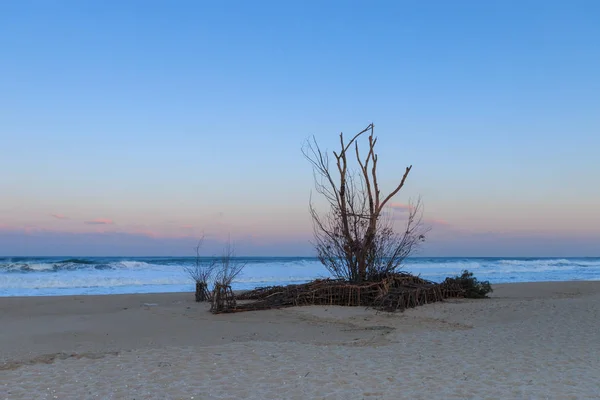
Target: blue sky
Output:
[(131, 127)]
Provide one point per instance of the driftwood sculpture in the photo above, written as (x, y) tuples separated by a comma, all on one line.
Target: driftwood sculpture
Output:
[(223, 299), (395, 292)]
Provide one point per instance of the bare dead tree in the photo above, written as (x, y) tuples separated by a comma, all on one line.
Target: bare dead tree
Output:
[(353, 241), (201, 272)]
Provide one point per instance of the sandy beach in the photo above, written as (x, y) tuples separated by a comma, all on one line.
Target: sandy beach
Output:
[(530, 340)]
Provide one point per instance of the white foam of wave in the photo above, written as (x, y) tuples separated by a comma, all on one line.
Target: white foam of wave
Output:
[(86, 282), (587, 263), (134, 265), (536, 262), (552, 262), (507, 266), (470, 265), (115, 279), (524, 266), (32, 267), (62, 266)]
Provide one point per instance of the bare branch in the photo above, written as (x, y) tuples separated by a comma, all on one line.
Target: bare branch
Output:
[(228, 268), (397, 188), (200, 271)]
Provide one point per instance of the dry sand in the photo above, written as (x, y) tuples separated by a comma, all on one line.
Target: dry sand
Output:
[(530, 341)]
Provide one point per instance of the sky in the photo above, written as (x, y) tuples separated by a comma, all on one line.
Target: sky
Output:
[(135, 127)]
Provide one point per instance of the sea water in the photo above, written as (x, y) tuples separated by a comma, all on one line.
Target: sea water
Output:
[(50, 276)]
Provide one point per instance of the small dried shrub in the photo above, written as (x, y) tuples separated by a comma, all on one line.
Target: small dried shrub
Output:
[(473, 288)]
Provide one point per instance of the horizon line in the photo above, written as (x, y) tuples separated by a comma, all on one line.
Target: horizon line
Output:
[(240, 256)]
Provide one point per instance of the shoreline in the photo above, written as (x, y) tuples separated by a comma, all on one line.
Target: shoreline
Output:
[(530, 339), (237, 291)]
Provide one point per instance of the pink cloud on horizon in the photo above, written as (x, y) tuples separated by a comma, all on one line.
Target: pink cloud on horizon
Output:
[(145, 232), (32, 229), (152, 232), (28, 229), (437, 221), (100, 221), (11, 228), (59, 216), (400, 206)]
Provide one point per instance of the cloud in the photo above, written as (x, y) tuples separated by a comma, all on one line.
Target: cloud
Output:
[(59, 216), (27, 230), (400, 206), (100, 221), (436, 221), (396, 211), (145, 232), (402, 215), (32, 229), (187, 227), (390, 215), (153, 232)]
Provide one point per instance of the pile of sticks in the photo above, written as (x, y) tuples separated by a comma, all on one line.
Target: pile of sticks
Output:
[(395, 292)]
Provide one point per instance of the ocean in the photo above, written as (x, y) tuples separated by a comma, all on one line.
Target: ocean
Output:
[(54, 276)]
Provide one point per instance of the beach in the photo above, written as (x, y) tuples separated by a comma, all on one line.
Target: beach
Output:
[(529, 340)]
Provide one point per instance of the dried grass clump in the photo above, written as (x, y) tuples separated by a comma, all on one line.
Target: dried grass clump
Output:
[(473, 288), (227, 269), (200, 272)]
